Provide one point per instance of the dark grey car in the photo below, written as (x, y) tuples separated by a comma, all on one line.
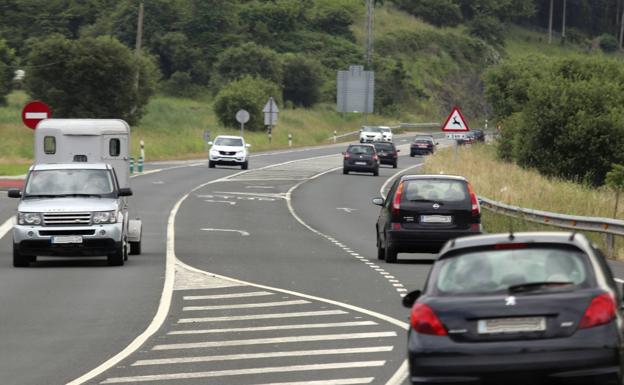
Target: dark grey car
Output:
[(361, 158)]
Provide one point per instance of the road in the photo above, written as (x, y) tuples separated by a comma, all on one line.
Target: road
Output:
[(269, 277)]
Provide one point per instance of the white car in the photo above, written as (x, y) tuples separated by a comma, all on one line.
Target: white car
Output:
[(229, 150), (386, 132), (370, 134)]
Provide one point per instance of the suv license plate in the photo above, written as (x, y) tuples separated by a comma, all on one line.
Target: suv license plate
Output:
[(512, 325), (67, 239), (435, 219)]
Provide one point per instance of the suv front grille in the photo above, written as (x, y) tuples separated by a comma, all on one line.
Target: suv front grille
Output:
[(66, 219), (229, 153)]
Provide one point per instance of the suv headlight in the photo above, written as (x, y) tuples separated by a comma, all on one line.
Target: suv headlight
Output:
[(29, 218), (214, 152), (240, 153), (104, 217)]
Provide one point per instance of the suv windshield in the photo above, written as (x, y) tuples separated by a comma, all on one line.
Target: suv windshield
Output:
[(435, 189), (69, 182), (528, 269), (233, 142)]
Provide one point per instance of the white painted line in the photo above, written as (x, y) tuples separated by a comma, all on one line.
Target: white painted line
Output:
[(276, 327), (163, 306), (400, 376), (267, 187), (233, 357), (213, 201), (240, 372), (241, 232), (397, 284), (6, 227), (345, 381), (275, 340), (246, 305), (616, 280), (263, 316), (394, 280), (36, 115), (227, 296)]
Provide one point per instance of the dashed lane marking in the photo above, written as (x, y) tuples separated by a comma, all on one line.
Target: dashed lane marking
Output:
[(276, 327), (262, 316), (246, 305), (241, 232), (227, 296)]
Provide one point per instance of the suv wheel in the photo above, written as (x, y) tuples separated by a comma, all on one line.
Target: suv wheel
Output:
[(211, 164), (245, 165), (20, 260), (117, 258)]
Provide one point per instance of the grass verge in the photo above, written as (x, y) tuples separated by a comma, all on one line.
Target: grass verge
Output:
[(508, 183)]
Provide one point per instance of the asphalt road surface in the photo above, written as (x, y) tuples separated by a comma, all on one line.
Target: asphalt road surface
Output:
[(261, 277)]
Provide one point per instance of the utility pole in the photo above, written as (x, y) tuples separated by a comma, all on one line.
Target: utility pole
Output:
[(563, 23), (550, 22), (137, 49), (622, 28), (370, 12)]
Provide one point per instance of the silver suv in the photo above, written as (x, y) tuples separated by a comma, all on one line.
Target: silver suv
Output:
[(229, 150), (75, 209)]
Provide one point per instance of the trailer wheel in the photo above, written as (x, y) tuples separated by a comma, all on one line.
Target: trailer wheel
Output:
[(135, 248)]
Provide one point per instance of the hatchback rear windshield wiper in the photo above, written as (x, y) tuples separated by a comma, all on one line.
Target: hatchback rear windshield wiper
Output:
[(534, 286)]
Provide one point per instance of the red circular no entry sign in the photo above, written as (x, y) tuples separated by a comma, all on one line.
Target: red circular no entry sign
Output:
[(34, 112)]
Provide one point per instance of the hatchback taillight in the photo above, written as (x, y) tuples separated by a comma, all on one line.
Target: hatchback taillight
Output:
[(375, 157), (600, 311), (396, 202), (424, 320), (475, 207), (347, 155)]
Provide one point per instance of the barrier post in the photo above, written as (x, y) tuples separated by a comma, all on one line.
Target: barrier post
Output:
[(289, 140), (131, 165), (140, 165), (335, 136)]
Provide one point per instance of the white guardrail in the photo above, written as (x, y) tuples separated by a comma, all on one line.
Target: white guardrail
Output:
[(609, 227)]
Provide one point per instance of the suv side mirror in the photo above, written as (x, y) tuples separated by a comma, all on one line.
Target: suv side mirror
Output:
[(14, 193), (378, 201), (125, 192), (410, 299)]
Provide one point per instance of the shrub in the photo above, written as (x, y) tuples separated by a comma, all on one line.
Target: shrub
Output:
[(247, 59), (302, 80), (488, 29), (442, 13), (608, 43), (248, 93)]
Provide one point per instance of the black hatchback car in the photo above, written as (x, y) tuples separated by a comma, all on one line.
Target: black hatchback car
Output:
[(422, 212), (360, 158), (422, 145), (387, 153), (525, 308)]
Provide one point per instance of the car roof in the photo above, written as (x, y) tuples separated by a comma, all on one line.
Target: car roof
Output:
[(361, 144), (229, 137), (70, 166), (432, 176), (540, 237), (380, 142)]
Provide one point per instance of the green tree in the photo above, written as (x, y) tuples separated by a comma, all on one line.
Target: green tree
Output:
[(442, 13), (488, 29), (615, 181), (302, 80), (7, 61), (247, 59), (608, 43), (90, 78), (248, 93)]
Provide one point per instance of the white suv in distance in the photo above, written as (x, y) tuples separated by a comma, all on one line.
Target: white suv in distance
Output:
[(386, 133), (370, 134), (229, 150)]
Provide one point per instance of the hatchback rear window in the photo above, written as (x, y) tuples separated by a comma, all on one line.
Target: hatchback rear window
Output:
[(361, 150), (438, 190), (384, 146), (529, 269)]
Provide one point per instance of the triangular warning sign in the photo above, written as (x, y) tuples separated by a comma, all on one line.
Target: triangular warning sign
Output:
[(455, 122)]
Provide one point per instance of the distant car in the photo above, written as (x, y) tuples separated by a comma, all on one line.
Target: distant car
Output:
[(469, 138), (387, 153), (360, 158), (422, 145), (229, 150), (371, 134), (386, 133), (522, 308), (479, 135), (422, 212)]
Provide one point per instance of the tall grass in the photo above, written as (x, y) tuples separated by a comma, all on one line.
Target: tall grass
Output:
[(508, 183)]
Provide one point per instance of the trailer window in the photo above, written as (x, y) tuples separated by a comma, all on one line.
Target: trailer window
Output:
[(114, 147), (49, 145)]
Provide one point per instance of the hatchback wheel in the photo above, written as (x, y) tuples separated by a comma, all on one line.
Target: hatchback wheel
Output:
[(395, 164), (391, 254), (345, 171), (376, 172)]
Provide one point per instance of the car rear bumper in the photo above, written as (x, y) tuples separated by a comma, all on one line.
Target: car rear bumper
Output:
[(421, 150), (591, 357), (387, 160), (408, 240)]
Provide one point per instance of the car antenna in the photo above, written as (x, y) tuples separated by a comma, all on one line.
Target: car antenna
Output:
[(511, 232), (573, 235)]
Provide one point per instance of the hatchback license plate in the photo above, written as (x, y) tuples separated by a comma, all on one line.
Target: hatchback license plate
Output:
[(67, 239), (435, 219), (512, 325), (361, 163)]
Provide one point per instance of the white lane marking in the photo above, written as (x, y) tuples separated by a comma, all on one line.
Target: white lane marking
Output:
[(342, 381), (616, 280), (227, 296), (246, 194), (246, 305), (394, 176), (241, 232), (346, 209), (267, 187), (240, 372), (232, 357), (158, 182), (275, 340), (400, 376), (6, 227), (163, 305), (153, 171), (276, 327), (226, 202), (263, 316)]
